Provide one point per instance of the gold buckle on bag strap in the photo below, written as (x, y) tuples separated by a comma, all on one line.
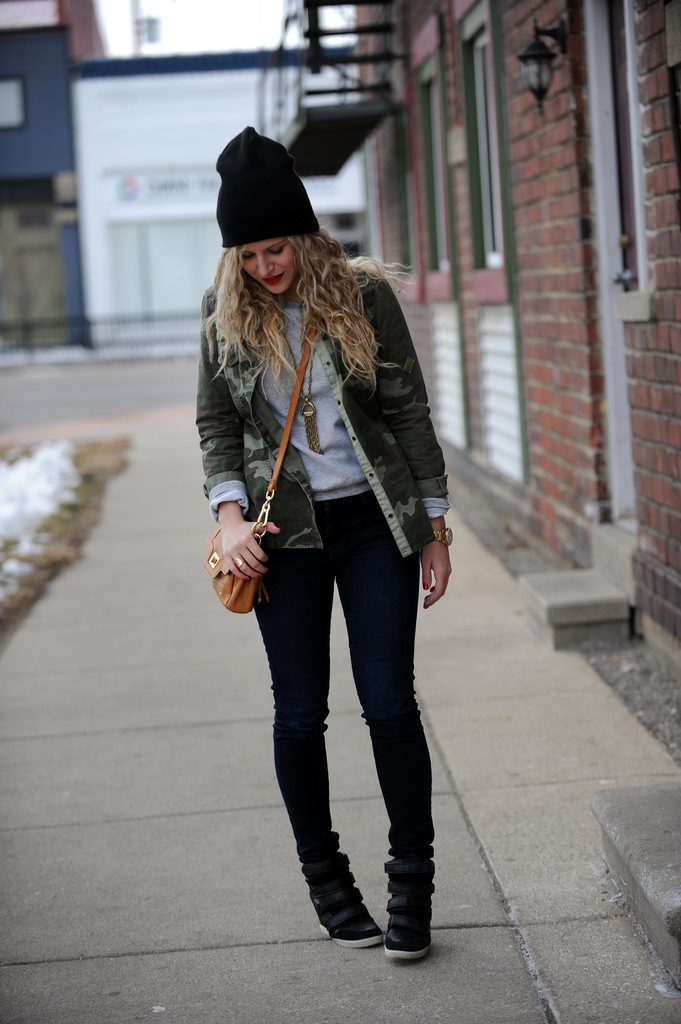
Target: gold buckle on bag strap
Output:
[(260, 525)]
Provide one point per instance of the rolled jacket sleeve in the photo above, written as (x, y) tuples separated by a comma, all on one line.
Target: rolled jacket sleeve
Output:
[(231, 490)]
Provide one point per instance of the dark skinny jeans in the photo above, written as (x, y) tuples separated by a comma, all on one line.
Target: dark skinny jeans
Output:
[(379, 591)]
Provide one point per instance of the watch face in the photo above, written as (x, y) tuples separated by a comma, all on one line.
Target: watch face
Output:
[(450, 535)]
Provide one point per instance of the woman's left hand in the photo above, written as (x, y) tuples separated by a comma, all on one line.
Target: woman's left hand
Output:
[(436, 568)]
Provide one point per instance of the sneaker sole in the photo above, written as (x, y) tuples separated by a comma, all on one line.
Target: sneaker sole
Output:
[(405, 954), (372, 940)]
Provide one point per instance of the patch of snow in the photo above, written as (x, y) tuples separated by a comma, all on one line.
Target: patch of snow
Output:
[(667, 991), (15, 567), (26, 547), (31, 490)]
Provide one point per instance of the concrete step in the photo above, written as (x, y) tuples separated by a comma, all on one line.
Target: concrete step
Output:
[(571, 606), (613, 548), (641, 832)]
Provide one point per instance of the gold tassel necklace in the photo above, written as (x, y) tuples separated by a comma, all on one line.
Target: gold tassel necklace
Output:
[(307, 407)]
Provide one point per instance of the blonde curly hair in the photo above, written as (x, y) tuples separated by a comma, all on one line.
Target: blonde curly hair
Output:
[(249, 318)]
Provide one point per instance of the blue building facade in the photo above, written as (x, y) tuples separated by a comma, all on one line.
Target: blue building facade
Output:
[(40, 265)]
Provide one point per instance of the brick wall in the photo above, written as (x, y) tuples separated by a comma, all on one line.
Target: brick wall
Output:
[(553, 242), (556, 286)]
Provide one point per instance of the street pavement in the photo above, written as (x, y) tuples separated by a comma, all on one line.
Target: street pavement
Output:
[(148, 869)]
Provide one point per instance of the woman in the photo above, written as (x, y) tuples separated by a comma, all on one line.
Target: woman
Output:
[(360, 502)]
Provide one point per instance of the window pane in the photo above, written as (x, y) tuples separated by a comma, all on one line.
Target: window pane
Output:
[(11, 103), (127, 269), (438, 179), (489, 180), (435, 181), (183, 256)]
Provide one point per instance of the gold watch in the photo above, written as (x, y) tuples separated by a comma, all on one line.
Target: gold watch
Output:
[(444, 535)]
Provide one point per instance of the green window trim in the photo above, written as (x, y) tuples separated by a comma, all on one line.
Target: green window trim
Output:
[(404, 199), (433, 141)]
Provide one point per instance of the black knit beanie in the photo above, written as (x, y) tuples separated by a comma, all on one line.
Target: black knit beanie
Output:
[(261, 196)]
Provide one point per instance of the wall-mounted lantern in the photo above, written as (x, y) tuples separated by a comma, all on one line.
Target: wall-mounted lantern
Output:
[(537, 60)]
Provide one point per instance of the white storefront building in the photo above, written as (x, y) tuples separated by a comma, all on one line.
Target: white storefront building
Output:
[(148, 133)]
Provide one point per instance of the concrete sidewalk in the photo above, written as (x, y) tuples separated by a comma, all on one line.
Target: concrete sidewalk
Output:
[(148, 867)]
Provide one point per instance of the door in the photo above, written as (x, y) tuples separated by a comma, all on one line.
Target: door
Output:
[(618, 193)]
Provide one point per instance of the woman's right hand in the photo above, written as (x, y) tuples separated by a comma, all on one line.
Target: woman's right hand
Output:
[(240, 549)]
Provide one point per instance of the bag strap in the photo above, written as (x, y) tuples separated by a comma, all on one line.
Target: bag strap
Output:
[(295, 395), (260, 525), (213, 563)]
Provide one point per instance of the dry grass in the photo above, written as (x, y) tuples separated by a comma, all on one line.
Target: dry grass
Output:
[(67, 529)]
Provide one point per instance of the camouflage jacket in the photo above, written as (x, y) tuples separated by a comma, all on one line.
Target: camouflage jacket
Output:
[(390, 429)]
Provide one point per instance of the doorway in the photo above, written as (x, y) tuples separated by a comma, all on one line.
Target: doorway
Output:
[(618, 201)]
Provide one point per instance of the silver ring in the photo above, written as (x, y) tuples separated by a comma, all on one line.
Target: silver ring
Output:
[(238, 562)]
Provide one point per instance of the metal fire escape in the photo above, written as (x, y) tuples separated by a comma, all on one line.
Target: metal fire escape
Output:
[(328, 85)]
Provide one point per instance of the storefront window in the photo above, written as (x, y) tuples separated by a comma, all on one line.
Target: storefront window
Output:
[(162, 269)]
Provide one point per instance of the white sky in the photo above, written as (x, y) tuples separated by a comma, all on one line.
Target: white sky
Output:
[(194, 26)]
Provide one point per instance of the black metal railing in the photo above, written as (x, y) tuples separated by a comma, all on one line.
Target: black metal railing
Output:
[(325, 89), (33, 336)]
